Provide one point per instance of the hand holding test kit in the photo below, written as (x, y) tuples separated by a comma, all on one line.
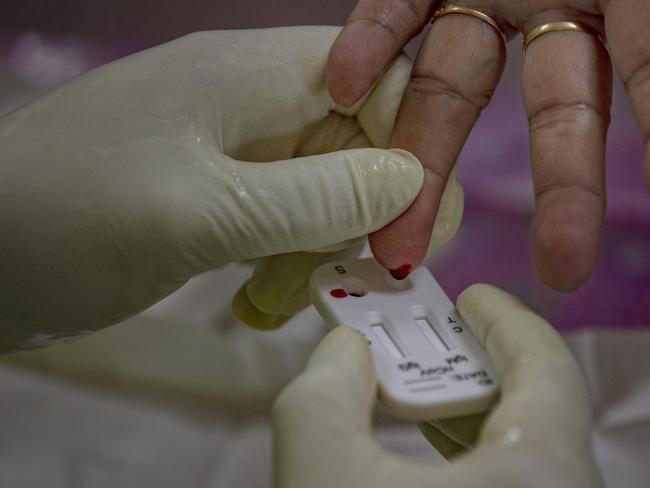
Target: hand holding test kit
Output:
[(428, 363)]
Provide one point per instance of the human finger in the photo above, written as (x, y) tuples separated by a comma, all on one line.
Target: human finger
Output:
[(626, 27), (567, 96), (454, 76), (373, 35)]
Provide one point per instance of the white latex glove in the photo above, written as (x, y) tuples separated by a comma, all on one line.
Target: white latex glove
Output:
[(538, 435), (119, 186)]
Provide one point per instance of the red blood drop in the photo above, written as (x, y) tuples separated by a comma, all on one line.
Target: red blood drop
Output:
[(402, 272), (339, 293)]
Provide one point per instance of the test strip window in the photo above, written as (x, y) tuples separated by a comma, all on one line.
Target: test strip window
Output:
[(386, 340), (431, 334)]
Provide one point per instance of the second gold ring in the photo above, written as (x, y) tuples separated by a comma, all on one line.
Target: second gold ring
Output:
[(565, 25), (449, 9)]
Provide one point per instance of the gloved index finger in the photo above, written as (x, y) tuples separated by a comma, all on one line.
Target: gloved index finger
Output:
[(544, 400)]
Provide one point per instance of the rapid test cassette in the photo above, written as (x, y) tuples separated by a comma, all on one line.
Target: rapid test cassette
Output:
[(428, 363)]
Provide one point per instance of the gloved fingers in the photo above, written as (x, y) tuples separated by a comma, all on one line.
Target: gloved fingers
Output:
[(325, 412), (279, 286), (321, 421), (272, 94), (322, 424), (261, 94), (453, 436), (544, 401), (247, 312), (313, 202), (337, 386)]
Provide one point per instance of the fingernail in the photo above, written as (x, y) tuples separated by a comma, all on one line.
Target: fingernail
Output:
[(402, 272)]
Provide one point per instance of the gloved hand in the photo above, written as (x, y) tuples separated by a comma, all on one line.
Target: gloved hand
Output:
[(538, 434), (119, 186)]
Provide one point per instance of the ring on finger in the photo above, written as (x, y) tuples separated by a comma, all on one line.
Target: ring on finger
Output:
[(450, 9), (565, 25)]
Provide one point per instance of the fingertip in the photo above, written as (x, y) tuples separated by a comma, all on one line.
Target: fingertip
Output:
[(353, 66), (480, 303), (554, 275), (566, 236), (476, 293), (247, 312), (332, 398), (396, 250), (343, 347), (565, 256), (402, 272), (342, 366), (402, 245)]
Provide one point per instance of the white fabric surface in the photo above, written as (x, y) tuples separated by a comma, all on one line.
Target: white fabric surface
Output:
[(179, 397)]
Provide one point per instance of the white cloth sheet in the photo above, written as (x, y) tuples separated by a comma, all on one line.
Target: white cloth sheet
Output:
[(180, 396)]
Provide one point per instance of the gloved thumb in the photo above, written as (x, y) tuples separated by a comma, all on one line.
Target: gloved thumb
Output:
[(315, 201), (322, 420), (544, 405), (338, 384)]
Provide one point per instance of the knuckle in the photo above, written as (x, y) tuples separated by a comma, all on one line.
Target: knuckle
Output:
[(430, 84), (571, 190), (398, 18), (565, 113), (383, 26), (439, 176), (419, 10)]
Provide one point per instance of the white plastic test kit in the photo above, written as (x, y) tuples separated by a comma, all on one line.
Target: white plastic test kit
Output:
[(428, 363)]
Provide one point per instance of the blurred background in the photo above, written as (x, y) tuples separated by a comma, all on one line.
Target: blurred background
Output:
[(180, 394)]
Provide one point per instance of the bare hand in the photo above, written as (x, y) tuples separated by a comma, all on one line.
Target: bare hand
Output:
[(567, 95)]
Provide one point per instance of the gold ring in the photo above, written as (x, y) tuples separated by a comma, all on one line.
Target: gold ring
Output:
[(540, 30), (447, 9)]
